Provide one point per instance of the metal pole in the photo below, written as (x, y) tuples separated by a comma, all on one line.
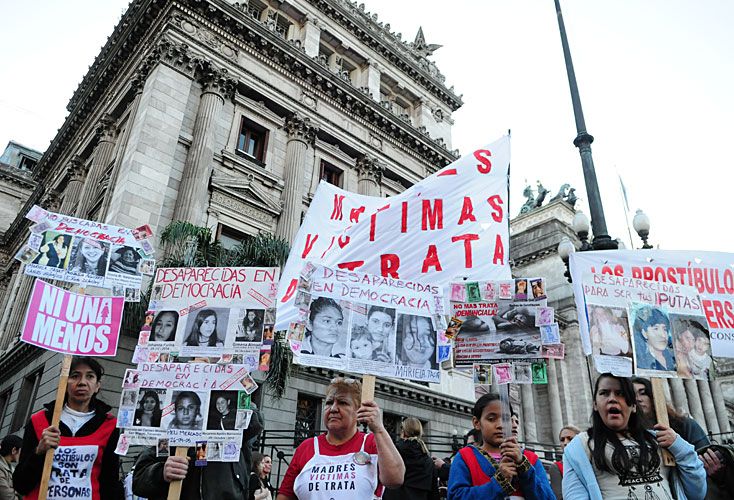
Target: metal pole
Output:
[(583, 141)]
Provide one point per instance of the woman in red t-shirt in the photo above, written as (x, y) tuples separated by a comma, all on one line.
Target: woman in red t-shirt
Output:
[(343, 463)]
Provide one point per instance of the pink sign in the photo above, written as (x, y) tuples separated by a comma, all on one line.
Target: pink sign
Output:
[(69, 323)]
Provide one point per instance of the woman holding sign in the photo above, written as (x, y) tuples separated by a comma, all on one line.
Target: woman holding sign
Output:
[(344, 463), (619, 458), (85, 464)]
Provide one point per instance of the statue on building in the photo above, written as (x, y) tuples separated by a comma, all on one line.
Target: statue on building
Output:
[(562, 193), (529, 201), (571, 198), (542, 192)]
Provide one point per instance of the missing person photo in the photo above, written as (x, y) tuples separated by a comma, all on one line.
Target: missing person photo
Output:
[(124, 260), (416, 342), (55, 250), (150, 408), (373, 334), (326, 328), (89, 257), (187, 410), (251, 327), (164, 326), (653, 343), (207, 327), (222, 411), (609, 331), (692, 344)]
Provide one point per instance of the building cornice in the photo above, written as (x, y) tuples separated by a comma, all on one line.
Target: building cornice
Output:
[(374, 35), (15, 177)]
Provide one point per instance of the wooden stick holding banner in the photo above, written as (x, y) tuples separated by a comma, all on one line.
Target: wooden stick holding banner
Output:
[(368, 388), (174, 489), (661, 412), (55, 419)]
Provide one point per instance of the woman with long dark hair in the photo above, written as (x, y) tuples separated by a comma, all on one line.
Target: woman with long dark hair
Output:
[(204, 330), (149, 413), (619, 458)]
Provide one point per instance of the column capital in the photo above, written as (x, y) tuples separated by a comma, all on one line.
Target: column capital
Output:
[(77, 169), (51, 200), (369, 167), (300, 128), (106, 129), (215, 80)]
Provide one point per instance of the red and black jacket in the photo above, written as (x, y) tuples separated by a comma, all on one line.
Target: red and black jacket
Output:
[(100, 430)]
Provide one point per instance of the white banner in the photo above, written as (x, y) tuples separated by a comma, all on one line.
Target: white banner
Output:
[(710, 273), (451, 224)]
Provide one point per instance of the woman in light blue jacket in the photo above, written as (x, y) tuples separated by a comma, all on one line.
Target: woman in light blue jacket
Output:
[(617, 458)]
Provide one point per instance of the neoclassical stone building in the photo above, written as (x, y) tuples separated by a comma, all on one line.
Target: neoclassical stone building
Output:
[(228, 115)]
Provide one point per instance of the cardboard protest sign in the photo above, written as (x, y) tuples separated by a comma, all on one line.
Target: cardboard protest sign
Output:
[(66, 322), (181, 403), (453, 223), (661, 326), (211, 311), (501, 330), (711, 273), (367, 324), (85, 252)]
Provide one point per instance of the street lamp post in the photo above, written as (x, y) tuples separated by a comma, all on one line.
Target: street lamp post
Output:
[(583, 140)]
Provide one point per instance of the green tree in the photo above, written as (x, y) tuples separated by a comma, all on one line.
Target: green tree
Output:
[(186, 245)]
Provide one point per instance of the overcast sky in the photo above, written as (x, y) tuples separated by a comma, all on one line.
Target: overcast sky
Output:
[(656, 79)]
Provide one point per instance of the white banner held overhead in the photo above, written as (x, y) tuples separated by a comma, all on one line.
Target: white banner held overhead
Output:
[(710, 273), (453, 223)]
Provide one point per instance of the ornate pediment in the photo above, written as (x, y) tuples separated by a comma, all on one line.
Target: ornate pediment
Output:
[(244, 196)]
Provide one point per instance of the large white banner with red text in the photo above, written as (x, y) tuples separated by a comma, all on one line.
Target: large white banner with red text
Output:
[(451, 224), (711, 273)]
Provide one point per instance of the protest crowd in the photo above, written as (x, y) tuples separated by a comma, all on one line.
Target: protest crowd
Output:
[(189, 428)]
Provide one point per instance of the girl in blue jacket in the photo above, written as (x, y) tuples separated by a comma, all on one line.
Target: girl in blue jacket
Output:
[(499, 468), (617, 458)]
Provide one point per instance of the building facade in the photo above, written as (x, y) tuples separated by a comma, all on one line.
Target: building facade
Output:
[(227, 115)]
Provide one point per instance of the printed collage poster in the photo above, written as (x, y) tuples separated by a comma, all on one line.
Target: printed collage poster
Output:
[(710, 273), (648, 328), (210, 312), (182, 404), (368, 324), (88, 253), (503, 330)]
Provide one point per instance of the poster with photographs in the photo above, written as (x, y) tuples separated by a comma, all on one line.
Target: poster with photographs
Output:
[(85, 252), (362, 323), (186, 402), (494, 331), (212, 312), (648, 328)]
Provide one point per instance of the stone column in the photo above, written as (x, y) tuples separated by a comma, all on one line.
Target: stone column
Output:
[(721, 412), (106, 132), (192, 199), (707, 402), (138, 84), (301, 134), (72, 194), (528, 412), (679, 400), (369, 175), (554, 399), (694, 403)]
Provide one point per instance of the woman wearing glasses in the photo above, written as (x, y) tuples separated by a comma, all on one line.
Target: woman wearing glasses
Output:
[(344, 463)]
